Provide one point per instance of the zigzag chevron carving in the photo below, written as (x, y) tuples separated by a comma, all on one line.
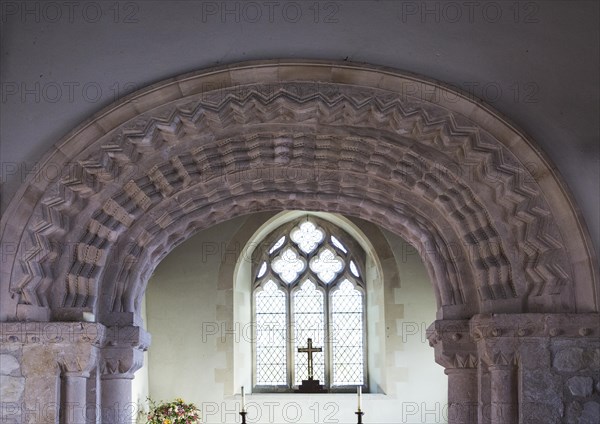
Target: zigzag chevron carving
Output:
[(490, 201)]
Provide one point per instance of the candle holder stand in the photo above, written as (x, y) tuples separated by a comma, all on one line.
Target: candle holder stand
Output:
[(359, 415), (243, 414)]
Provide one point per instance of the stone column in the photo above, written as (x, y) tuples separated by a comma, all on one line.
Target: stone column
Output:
[(483, 395), (73, 402), (75, 364), (504, 406), (498, 347), (462, 395), (93, 398), (457, 353), (116, 399), (123, 356)]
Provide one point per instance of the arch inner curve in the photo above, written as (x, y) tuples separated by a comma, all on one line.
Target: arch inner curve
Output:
[(448, 174)]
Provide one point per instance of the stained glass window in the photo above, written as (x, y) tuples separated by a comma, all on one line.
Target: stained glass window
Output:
[(308, 285)]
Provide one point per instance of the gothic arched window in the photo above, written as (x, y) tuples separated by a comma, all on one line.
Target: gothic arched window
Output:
[(308, 283)]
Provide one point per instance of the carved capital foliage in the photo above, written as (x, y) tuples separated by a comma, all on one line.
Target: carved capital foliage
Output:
[(75, 348), (52, 333), (520, 326), (120, 362), (50, 348), (499, 352), (502, 338), (123, 352), (39, 360), (454, 347), (77, 360), (128, 336)]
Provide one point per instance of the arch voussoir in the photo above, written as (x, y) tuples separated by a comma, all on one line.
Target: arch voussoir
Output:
[(202, 213), (457, 185)]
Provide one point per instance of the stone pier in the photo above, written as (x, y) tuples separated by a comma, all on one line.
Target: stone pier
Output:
[(45, 369), (521, 368)]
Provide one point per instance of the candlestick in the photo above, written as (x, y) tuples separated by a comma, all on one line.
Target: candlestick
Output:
[(243, 400), (243, 414), (359, 392), (359, 415)]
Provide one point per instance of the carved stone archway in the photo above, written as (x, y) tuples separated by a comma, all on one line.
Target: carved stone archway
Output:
[(496, 227)]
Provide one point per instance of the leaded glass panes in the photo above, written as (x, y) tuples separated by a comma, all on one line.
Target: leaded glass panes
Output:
[(271, 337), (347, 335), (307, 236), (354, 269), (326, 265), (277, 244), (302, 291), (308, 322), (338, 244), (288, 265), (262, 270)]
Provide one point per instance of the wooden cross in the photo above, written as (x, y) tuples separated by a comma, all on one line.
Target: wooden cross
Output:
[(310, 350)]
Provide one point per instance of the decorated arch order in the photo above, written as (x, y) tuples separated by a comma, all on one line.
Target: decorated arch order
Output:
[(495, 225)]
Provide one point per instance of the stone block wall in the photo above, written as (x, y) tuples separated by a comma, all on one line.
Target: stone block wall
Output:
[(12, 384), (575, 374), (560, 380)]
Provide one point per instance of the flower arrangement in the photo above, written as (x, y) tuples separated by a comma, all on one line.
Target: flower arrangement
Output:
[(175, 412)]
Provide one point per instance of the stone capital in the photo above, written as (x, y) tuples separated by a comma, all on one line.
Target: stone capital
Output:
[(54, 348), (490, 326), (502, 338), (127, 336), (120, 362), (77, 360), (123, 351), (52, 333), (39, 361), (453, 345)]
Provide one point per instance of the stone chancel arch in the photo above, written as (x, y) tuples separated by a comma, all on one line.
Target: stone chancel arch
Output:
[(494, 224)]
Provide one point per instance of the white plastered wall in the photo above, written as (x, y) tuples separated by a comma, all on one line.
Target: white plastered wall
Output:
[(198, 353)]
